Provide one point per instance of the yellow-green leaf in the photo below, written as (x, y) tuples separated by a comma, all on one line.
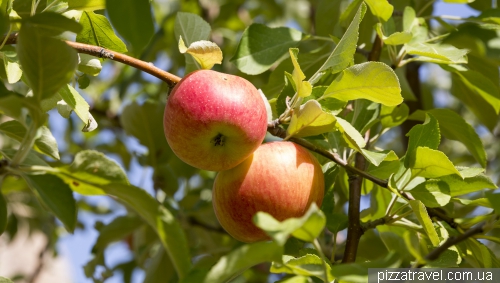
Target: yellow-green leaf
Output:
[(374, 81), (424, 219), (430, 163), (310, 120), (380, 8), (304, 88), (205, 52), (353, 138), (396, 38)]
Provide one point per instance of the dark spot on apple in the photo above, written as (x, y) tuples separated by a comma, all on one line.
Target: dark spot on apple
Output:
[(76, 184), (224, 78), (219, 140)]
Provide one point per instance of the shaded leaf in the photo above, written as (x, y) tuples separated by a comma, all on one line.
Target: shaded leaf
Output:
[(57, 196), (374, 81), (3, 213), (392, 116), (48, 63), (116, 230), (51, 24), (306, 228), (307, 265), (242, 258), (261, 47), (459, 186), (133, 20), (161, 220), (45, 143)]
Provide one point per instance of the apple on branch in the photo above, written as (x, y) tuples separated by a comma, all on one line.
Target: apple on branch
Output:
[(214, 121), (280, 178)]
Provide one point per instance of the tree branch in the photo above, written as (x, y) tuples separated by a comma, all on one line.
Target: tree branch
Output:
[(100, 52)]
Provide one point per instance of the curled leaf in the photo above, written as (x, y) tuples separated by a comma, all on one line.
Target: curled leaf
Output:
[(206, 53)]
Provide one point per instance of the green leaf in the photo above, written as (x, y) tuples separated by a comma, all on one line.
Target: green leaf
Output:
[(303, 88), (145, 122), (424, 219), (243, 258), (396, 38), (351, 136), (306, 228), (380, 8), (432, 193), (358, 272), (87, 5), (137, 27), (79, 105), (261, 47), (89, 171), (430, 163), (89, 65), (495, 201), (31, 160), (48, 63), (45, 143), (376, 158), (481, 86), (191, 28), (57, 196), (3, 214), (454, 127), (307, 265), (393, 116), (161, 220), (160, 270), (374, 81), (116, 230), (13, 71), (425, 135), (206, 53), (5, 280), (437, 53), (459, 186), (310, 120), (51, 24), (342, 55), (471, 94), (295, 279), (98, 31), (476, 202)]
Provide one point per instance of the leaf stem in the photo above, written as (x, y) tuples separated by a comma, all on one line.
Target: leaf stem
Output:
[(317, 246)]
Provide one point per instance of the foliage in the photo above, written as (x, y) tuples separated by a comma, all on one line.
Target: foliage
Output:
[(412, 116)]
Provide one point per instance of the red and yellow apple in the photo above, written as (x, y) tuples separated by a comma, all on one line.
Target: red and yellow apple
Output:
[(280, 178), (214, 121)]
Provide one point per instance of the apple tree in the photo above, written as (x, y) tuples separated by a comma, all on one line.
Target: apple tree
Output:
[(398, 104)]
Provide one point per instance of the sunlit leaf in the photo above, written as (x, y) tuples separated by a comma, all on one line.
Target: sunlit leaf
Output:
[(436, 53), (310, 120), (396, 38), (191, 28), (432, 193), (380, 8), (303, 88), (459, 186), (374, 81), (79, 105), (87, 5), (98, 31), (424, 135), (206, 53), (353, 138), (424, 219), (431, 163)]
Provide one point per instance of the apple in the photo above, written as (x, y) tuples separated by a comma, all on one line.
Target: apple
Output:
[(214, 121), (280, 178)]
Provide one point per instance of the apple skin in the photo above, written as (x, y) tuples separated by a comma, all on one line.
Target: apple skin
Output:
[(280, 178), (214, 121)]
